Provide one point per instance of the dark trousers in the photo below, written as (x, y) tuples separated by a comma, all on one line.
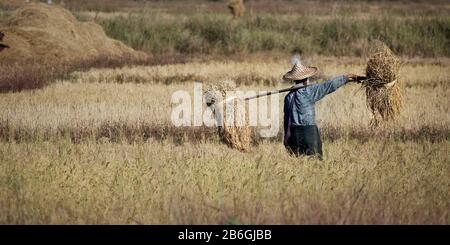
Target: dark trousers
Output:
[(305, 140)]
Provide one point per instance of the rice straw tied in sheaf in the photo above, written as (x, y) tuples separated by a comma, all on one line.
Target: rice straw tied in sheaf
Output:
[(236, 134), (383, 93)]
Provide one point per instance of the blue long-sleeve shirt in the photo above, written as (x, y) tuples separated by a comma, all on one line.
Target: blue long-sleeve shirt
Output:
[(299, 105)]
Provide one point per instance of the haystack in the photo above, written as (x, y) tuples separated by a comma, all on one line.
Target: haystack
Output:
[(383, 93), (50, 33), (237, 8), (237, 135)]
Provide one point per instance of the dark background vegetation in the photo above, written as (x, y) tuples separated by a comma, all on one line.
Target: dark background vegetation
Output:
[(341, 34), (331, 28)]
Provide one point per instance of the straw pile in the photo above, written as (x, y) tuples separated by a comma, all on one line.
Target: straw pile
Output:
[(237, 135), (383, 93), (50, 33), (237, 8)]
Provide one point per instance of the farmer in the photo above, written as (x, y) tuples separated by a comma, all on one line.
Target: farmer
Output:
[(301, 135)]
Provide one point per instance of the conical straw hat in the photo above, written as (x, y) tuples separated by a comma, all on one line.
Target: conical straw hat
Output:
[(300, 72)]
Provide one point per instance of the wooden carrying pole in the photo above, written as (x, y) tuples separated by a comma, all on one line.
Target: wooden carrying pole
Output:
[(295, 87), (360, 79)]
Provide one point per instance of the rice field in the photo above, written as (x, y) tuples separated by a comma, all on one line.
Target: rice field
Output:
[(98, 147), (94, 143)]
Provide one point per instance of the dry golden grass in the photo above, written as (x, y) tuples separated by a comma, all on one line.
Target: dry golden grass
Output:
[(262, 70), (137, 95), (161, 183), (99, 148)]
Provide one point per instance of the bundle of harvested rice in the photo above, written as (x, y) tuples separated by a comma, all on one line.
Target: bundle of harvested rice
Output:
[(237, 8), (383, 94), (236, 135)]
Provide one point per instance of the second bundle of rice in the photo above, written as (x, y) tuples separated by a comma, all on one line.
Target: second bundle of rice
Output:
[(237, 8), (383, 92), (236, 135)]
